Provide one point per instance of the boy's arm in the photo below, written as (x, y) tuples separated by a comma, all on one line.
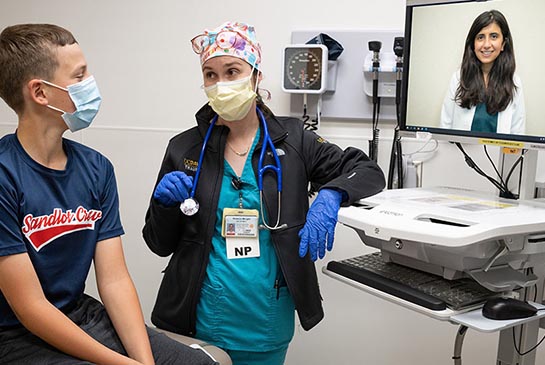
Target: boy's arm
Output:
[(22, 290), (119, 296)]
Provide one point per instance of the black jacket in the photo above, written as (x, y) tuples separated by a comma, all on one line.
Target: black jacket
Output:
[(305, 157)]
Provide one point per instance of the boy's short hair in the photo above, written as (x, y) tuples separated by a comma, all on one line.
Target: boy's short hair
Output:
[(28, 51)]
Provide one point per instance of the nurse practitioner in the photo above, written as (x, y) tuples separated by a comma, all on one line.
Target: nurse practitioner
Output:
[(231, 207)]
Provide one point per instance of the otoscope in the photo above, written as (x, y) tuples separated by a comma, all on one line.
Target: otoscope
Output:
[(375, 46), (396, 156)]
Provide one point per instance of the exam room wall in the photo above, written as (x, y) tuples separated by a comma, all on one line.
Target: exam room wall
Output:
[(140, 54)]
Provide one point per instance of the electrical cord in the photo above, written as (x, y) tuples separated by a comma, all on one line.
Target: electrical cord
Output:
[(515, 164), (305, 116), (400, 173), (518, 161), (396, 154), (504, 191), (494, 166), (422, 150), (373, 143), (376, 112), (529, 270), (396, 163), (373, 146), (307, 123), (311, 124), (528, 351)]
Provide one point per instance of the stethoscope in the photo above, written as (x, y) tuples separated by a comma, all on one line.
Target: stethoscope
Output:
[(190, 206)]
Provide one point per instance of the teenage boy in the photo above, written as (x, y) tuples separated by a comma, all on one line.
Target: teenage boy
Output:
[(58, 214)]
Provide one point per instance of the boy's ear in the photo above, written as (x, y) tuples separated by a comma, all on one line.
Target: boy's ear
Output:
[(36, 92)]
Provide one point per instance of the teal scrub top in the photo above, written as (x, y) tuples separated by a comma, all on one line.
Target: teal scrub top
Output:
[(242, 306), (482, 121)]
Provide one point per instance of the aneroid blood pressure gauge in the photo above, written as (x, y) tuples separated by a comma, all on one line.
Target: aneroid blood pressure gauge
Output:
[(305, 68)]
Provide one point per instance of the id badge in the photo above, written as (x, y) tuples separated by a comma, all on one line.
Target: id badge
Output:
[(240, 222), (240, 228)]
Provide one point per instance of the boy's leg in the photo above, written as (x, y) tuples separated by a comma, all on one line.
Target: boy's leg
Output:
[(20, 347), (215, 352), (92, 317), (167, 351)]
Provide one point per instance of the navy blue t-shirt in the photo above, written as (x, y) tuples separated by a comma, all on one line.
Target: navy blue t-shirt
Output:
[(57, 217)]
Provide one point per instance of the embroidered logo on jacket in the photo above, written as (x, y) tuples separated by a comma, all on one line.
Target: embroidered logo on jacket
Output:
[(190, 165), (43, 229), (279, 152)]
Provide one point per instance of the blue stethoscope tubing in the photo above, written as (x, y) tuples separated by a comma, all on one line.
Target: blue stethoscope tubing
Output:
[(201, 156), (276, 168)]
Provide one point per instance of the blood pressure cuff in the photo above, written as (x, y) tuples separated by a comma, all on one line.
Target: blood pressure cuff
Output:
[(334, 48)]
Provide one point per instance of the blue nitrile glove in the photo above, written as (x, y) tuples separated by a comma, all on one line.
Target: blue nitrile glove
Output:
[(173, 188), (320, 225)]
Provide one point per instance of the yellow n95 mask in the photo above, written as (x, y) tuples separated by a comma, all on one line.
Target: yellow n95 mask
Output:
[(231, 100)]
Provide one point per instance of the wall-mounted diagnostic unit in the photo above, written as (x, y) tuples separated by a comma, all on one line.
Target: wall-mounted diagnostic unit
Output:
[(305, 68), (345, 94)]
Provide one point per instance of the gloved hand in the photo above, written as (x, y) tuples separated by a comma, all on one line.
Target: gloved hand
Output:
[(320, 225), (173, 188)]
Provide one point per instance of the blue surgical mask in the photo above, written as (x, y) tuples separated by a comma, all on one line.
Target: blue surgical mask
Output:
[(86, 98)]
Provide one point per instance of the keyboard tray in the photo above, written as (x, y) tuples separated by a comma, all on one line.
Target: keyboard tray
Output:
[(421, 288)]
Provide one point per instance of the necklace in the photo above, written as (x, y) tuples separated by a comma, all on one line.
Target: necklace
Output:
[(236, 152), (244, 153)]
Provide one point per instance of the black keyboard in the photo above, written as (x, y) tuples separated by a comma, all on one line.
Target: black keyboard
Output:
[(428, 290)]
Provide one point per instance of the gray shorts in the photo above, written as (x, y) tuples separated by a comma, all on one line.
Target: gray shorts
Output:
[(19, 346)]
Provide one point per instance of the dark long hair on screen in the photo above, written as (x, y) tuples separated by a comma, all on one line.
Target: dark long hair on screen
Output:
[(501, 86)]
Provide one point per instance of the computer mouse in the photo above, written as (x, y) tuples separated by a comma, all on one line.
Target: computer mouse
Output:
[(507, 308)]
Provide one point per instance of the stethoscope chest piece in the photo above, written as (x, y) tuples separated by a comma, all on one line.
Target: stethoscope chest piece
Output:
[(190, 206)]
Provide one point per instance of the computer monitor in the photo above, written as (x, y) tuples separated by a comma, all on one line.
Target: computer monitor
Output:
[(435, 39)]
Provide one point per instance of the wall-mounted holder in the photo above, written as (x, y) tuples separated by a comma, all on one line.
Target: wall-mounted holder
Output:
[(386, 75)]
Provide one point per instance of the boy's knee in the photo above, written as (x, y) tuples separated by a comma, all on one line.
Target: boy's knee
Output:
[(213, 351)]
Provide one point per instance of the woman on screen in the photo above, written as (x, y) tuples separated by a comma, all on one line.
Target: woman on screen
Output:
[(485, 95)]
